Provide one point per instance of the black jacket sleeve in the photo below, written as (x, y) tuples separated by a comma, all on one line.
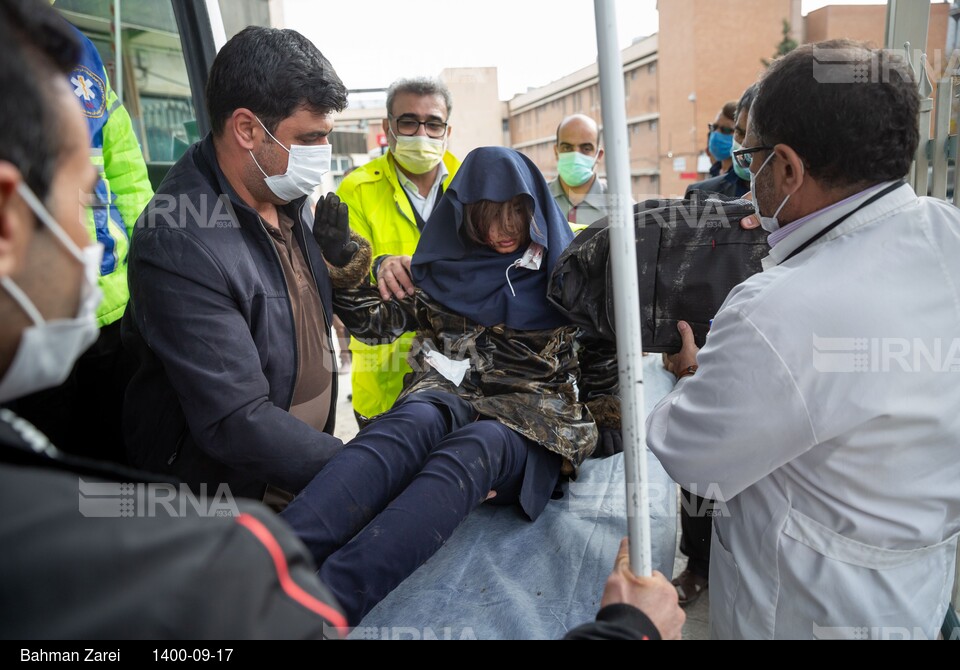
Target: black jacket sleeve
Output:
[(370, 319), (617, 622), (95, 559), (600, 386)]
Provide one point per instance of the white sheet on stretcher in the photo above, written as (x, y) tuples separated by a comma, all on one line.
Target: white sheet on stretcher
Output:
[(502, 577)]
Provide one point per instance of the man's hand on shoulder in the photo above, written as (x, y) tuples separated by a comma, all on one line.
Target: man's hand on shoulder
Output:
[(394, 278)]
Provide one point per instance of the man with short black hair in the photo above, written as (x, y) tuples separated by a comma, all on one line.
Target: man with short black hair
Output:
[(390, 200), (78, 563), (231, 292), (91, 399), (579, 191), (824, 408)]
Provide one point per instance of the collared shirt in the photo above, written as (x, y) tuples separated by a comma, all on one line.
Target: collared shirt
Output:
[(423, 205), (838, 208), (790, 237), (590, 210), (314, 388)]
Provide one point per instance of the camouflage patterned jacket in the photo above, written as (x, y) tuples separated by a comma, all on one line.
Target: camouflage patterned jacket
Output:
[(549, 386)]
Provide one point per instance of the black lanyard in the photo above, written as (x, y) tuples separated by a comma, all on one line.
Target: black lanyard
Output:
[(803, 247), (421, 224)]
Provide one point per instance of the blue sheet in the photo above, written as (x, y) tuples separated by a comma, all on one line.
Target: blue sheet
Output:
[(502, 577)]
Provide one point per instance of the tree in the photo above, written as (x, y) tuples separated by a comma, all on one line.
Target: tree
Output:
[(787, 44)]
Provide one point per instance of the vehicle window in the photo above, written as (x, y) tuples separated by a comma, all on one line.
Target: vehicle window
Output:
[(154, 86)]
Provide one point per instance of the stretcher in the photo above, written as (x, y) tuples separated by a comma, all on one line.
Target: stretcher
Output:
[(502, 577)]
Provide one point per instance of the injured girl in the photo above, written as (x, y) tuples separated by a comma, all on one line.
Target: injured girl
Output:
[(499, 402)]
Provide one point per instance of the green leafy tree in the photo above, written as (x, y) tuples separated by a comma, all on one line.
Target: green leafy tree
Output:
[(787, 44)]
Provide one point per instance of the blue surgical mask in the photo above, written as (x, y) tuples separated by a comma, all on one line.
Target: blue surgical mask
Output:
[(743, 173), (721, 146)]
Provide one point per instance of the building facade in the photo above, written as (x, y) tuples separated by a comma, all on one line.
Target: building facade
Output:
[(533, 117), (476, 120), (868, 23), (706, 53)]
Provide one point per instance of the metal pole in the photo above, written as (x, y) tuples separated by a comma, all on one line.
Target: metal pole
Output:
[(623, 255)]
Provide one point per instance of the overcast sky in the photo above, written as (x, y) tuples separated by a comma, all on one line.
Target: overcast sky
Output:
[(468, 33)]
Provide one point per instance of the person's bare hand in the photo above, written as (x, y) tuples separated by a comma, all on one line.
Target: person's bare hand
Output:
[(751, 222), (687, 358), (393, 278), (654, 596)]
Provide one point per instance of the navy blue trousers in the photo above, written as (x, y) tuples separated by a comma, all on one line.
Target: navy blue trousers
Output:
[(396, 493)]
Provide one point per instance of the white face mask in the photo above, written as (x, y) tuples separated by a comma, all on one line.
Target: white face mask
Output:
[(305, 169), (771, 224), (49, 349), (418, 154)]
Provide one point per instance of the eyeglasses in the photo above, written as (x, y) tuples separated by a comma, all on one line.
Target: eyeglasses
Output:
[(410, 127), (723, 130), (744, 157)]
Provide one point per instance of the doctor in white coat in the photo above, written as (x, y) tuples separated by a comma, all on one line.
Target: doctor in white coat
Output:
[(825, 411)]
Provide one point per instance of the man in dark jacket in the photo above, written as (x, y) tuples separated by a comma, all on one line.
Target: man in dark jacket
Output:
[(231, 294), (735, 181), (86, 556)]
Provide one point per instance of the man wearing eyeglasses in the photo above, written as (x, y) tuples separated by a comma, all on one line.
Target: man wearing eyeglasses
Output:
[(720, 139), (824, 408), (725, 137), (390, 201)]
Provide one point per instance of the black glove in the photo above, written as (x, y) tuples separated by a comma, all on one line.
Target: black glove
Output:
[(331, 229), (609, 444)]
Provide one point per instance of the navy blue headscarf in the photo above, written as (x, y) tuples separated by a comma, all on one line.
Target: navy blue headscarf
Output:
[(471, 279)]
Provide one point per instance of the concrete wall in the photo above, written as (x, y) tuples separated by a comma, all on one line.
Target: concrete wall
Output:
[(714, 50), (535, 115), (867, 23), (477, 119), (238, 14)]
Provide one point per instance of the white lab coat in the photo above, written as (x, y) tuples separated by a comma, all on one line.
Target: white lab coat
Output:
[(841, 487)]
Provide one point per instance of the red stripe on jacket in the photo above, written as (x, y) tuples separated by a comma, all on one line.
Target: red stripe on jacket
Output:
[(290, 587)]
